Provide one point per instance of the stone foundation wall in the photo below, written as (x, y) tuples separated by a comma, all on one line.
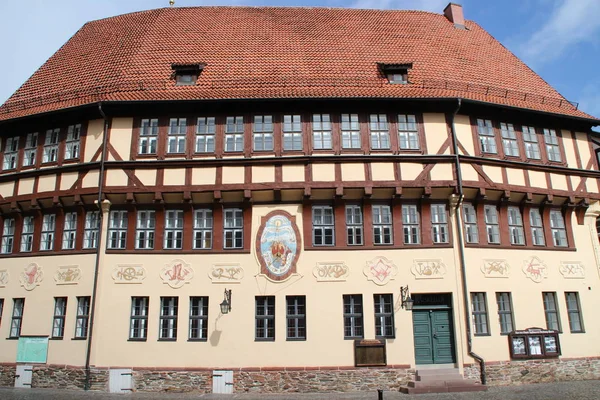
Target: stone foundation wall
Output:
[(68, 377), (177, 381), (518, 372), (7, 375)]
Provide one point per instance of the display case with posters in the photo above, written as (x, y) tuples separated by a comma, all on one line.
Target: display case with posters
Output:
[(534, 343)]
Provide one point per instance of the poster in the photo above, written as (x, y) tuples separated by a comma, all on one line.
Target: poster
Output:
[(32, 349)]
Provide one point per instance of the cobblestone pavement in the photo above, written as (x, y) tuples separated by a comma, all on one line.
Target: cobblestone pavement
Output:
[(581, 390)]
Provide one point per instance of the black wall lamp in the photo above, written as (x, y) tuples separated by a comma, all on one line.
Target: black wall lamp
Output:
[(226, 304), (407, 301)]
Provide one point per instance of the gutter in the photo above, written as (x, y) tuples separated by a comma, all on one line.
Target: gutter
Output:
[(87, 383), (461, 248)]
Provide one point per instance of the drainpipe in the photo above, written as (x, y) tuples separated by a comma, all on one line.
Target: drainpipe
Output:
[(87, 384), (461, 248)]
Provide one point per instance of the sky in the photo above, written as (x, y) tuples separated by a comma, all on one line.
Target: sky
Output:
[(558, 39)]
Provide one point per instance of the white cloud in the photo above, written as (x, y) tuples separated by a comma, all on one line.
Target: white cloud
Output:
[(569, 23), (425, 5)]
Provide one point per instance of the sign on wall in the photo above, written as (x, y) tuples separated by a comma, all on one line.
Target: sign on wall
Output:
[(32, 349), (278, 245)]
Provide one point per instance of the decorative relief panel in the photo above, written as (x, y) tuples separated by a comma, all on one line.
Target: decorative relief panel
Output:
[(226, 273), (495, 269), (380, 270), (428, 269), (32, 276), (572, 270), (535, 269), (177, 273), (129, 274), (278, 245), (4, 278), (334, 271), (68, 275)]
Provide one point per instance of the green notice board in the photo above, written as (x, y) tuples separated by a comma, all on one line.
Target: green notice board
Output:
[(32, 349)]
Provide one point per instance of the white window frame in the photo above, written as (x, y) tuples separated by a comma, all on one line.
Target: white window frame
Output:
[(383, 232), (408, 133), (73, 142), (505, 312), (17, 317), (31, 148), (292, 132), (48, 228), (169, 307), (509, 140), (51, 146), (176, 136), (198, 325), (69, 231), (295, 317), (83, 317), (205, 135), (559, 230), (91, 229), (27, 232), (173, 232), (532, 146), (11, 153), (574, 312), (354, 225), (515, 226), (148, 136), (8, 236), (117, 229), (350, 132), (234, 134), (320, 223), (138, 324), (264, 318), (470, 223), (492, 224), (439, 223), (379, 131), (537, 227), (145, 229), (384, 316), (487, 138), (410, 224), (233, 228), (262, 133), (58, 320), (203, 229), (552, 145), (321, 126), (479, 313), (353, 316)]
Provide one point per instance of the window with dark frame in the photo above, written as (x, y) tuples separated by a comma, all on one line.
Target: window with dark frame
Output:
[(321, 131), (537, 227), (8, 236), (354, 225), (410, 222), (31, 144), (479, 314), (353, 316), (138, 326), (91, 229), (144, 232), (233, 228), (515, 226), (439, 223), (551, 311), (173, 239), (205, 135), (292, 133), (117, 230), (262, 133), (27, 234), (509, 139), (187, 74), (1, 310), (69, 231), (296, 317), (148, 136), (408, 135), (176, 136), (58, 321), (552, 146), (11, 153), (559, 231), (505, 312), (487, 139), (470, 222), (48, 226), (574, 312), (396, 73), (350, 131), (380, 134), (234, 134), (265, 318), (532, 147), (382, 224), (72, 144), (198, 318), (17, 318), (83, 317), (168, 318), (323, 226), (384, 316), (203, 229), (492, 226)]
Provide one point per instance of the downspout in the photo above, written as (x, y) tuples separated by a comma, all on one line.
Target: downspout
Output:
[(461, 247), (87, 384)]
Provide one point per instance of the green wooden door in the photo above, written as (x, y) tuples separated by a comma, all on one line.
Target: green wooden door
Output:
[(433, 335)]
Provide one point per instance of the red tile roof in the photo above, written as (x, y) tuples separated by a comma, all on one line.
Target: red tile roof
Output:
[(263, 52)]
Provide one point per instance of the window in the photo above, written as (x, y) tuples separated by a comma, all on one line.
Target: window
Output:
[(384, 316), (51, 146), (537, 229), (574, 312), (350, 131), (296, 317), (439, 223), (408, 136), (410, 220), (27, 234), (551, 311), (91, 227), (72, 143), (323, 226), (485, 130), (83, 317), (292, 132), (559, 232), (515, 226), (8, 235), (11, 153), (471, 231), (552, 147), (354, 227), (532, 148), (234, 134), (138, 326), (479, 312), (69, 231), (234, 228), (187, 74), (47, 238), (176, 137), (17, 318), (173, 229), (491, 224), (321, 131), (505, 313), (265, 318), (205, 135), (353, 316), (168, 318), (398, 78), (509, 140), (382, 224), (117, 230), (144, 233), (198, 318), (203, 225), (31, 143), (263, 133), (58, 322), (148, 136), (380, 135)]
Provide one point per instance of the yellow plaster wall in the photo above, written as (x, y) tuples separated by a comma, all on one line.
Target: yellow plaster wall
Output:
[(204, 176), (323, 172), (146, 176), (46, 183), (515, 176), (292, 173), (67, 180), (464, 134), (569, 149), (409, 171), (174, 177), (537, 179), (558, 181), (353, 172), (116, 177), (233, 175), (494, 173), (90, 179), (262, 174), (121, 133), (442, 172), (382, 171), (584, 148), (468, 172), (93, 139), (436, 132), (26, 186)]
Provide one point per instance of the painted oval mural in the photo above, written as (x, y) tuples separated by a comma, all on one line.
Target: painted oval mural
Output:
[(278, 245)]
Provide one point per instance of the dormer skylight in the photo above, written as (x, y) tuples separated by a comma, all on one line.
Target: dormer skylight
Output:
[(187, 74), (396, 73)]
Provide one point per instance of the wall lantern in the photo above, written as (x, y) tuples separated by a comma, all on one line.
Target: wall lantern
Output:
[(226, 304), (407, 301)]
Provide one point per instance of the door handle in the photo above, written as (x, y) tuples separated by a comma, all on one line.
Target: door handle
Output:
[(435, 335)]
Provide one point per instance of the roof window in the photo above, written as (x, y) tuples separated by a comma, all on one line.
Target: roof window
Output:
[(186, 74), (396, 73)]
